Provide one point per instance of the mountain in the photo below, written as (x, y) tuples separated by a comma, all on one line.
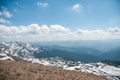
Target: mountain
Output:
[(113, 55), (80, 50), (101, 45), (4, 56), (111, 62), (18, 51), (28, 51), (74, 56)]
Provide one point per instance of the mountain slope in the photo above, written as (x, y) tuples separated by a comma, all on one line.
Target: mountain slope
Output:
[(15, 70), (80, 50), (111, 55), (74, 56)]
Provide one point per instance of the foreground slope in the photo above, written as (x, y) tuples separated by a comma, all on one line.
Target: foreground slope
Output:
[(19, 70)]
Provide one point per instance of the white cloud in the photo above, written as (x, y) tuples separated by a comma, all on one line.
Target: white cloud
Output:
[(2, 37), (97, 34), (3, 21), (77, 7), (4, 29), (40, 4), (34, 32), (82, 31), (5, 13), (59, 28), (114, 30), (33, 29), (97, 31), (44, 29)]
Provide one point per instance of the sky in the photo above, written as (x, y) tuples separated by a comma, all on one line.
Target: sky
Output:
[(54, 20)]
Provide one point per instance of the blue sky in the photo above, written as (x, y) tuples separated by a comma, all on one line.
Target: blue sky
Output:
[(73, 14), (92, 14)]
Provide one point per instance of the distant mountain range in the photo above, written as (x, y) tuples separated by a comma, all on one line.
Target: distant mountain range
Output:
[(113, 55), (101, 45), (84, 54)]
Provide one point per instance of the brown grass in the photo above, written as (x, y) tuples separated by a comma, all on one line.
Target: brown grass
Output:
[(19, 70)]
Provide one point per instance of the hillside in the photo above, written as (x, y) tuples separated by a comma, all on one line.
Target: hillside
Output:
[(19, 70), (114, 55), (74, 56)]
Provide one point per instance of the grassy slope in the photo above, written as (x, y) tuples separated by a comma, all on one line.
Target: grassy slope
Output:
[(19, 70)]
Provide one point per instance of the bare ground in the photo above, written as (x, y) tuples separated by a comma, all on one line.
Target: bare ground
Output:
[(20, 70)]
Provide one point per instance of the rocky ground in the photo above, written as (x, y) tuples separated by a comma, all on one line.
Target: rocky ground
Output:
[(21, 70)]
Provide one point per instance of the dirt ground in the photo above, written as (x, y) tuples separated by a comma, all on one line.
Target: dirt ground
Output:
[(20, 70)]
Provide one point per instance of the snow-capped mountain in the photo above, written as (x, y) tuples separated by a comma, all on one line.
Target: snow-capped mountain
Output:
[(19, 49), (25, 51), (4, 56)]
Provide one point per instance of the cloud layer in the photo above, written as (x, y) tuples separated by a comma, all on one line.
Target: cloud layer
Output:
[(33, 29), (34, 32)]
